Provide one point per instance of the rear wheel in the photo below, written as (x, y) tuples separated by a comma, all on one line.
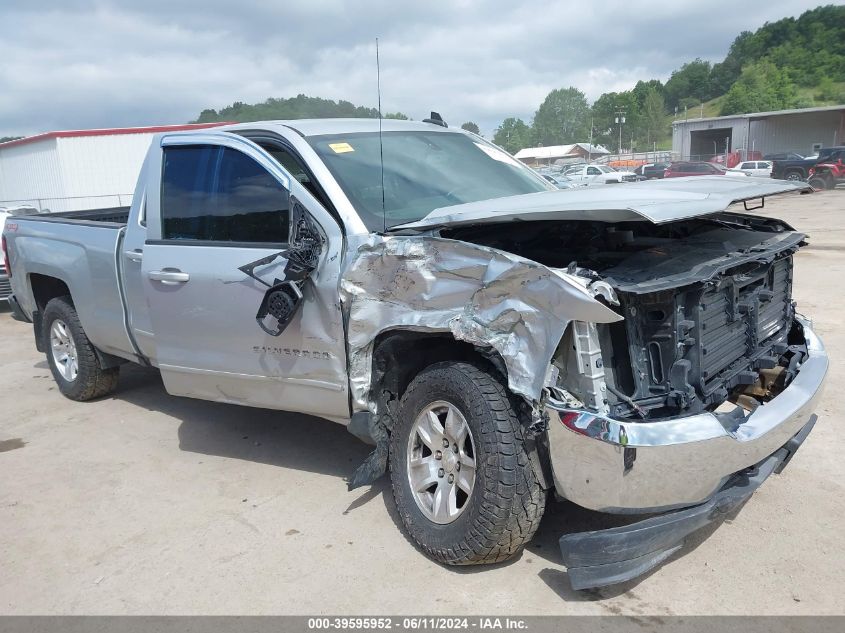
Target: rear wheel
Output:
[(462, 481), (71, 356), (794, 175)]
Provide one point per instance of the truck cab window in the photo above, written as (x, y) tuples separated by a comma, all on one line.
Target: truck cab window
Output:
[(218, 194), (295, 169)]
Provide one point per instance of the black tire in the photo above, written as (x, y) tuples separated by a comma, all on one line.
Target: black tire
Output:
[(92, 381), (819, 183), (794, 175), (507, 502)]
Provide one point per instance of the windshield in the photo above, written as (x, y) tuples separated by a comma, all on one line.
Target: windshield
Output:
[(423, 171)]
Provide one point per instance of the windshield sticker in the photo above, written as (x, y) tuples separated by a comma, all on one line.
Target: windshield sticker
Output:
[(341, 148)]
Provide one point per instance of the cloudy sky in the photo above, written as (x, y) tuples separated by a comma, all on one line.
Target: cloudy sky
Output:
[(74, 64)]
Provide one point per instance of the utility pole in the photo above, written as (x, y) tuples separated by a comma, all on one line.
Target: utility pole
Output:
[(620, 119)]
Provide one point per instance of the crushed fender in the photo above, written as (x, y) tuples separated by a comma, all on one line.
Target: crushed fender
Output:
[(480, 295)]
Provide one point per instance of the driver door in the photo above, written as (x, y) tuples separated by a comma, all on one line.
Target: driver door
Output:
[(218, 241)]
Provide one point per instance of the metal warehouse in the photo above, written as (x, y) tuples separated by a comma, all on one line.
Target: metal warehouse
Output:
[(804, 131), (76, 169)]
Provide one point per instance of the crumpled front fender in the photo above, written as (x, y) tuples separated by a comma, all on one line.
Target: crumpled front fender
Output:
[(484, 296)]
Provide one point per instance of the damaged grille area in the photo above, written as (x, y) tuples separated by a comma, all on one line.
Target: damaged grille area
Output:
[(706, 303), (688, 349)]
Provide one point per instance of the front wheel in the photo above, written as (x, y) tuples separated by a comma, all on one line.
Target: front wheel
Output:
[(462, 481), (71, 355), (821, 182)]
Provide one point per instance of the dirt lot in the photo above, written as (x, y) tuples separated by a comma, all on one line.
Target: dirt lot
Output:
[(146, 503)]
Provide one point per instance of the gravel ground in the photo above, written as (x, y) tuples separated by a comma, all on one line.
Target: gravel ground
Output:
[(147, 503)]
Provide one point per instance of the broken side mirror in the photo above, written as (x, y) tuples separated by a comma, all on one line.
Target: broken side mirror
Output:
[(284, 296)]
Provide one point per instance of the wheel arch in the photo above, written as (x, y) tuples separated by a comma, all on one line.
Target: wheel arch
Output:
[(418, 350), (44, 288), (47, 287)]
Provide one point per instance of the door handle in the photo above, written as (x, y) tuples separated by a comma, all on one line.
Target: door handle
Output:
[(135, 256), (169, 277)]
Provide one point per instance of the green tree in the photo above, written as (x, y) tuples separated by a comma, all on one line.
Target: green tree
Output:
[(808, 48), (827, 90), (691, 80), (643, 88), (513, 135), (604, 115), (654, 116), (760, 88), (396, 115), (563, 117), (469, 126), (298, 107), (726, 72)]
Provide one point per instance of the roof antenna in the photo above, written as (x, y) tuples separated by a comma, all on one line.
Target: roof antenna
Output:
[(380, 144)]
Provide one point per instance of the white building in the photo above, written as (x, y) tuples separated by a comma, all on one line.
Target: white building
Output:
[(538, 156), (77, 169)]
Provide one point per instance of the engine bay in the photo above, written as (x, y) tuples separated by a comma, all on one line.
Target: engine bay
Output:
[(707, 304)]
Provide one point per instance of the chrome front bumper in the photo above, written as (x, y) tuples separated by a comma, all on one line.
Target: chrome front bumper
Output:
[(631, 467)]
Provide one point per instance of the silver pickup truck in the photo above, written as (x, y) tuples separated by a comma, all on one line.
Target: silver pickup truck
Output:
[(633, 348)]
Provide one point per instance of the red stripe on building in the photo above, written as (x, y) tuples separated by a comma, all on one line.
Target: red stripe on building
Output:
[(154, 129)]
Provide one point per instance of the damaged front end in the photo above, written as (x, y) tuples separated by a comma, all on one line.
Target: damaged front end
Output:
[(650, 333), (511, 310), (708, 309), (706, 387)]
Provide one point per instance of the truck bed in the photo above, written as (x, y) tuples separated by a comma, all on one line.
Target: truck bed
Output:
[(112, 217), (80, 249)]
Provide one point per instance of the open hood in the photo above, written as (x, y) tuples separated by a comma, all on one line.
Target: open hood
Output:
[(658, 201)]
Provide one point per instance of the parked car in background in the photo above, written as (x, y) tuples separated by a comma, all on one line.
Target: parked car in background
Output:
[(734, 158), (785, 156), (651, 170), (678, 169), (761, 168), (827, 175), (562, 182), (800, 169), (598, 174)]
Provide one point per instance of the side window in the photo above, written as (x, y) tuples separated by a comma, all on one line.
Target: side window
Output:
[(218, 194), (295, 169), (592, 171)]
